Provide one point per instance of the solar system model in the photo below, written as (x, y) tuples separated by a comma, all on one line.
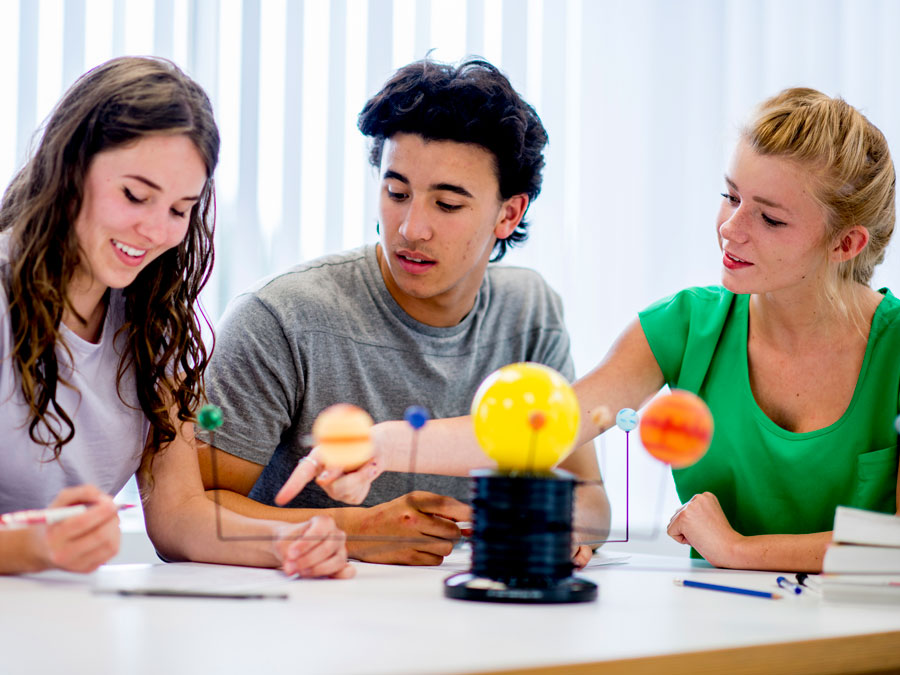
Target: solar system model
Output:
[(526, 419)]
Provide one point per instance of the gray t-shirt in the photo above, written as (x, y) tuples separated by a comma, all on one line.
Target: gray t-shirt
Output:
[(328, 331)]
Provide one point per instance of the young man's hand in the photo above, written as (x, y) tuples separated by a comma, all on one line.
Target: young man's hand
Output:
[(419, 528)]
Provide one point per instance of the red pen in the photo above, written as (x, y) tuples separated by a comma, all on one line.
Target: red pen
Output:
[(46, 516)]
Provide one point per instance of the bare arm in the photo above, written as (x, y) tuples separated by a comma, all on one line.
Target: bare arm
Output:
[(236, 477), (627, 377), (415, 529), (791, 552), (446, 447), (78, 544), (592, 517), (702, 524), (591, 502), (783, 552), (21, 551), (181, 522)]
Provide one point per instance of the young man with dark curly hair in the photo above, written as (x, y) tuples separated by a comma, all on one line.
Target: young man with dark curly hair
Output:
[(418, 318)]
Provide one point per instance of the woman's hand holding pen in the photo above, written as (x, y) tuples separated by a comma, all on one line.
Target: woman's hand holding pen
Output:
[(701, 523), (315, 548), (83, 542)]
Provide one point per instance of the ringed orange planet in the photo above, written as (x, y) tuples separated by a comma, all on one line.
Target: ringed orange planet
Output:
[(677, 428)]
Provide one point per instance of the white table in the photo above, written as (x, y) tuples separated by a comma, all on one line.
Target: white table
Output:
[(395, 620)]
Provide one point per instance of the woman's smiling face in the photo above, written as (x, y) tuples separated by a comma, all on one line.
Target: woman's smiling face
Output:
[(137, 205)]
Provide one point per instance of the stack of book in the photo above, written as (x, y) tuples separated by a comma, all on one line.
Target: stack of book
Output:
[(863, 561)]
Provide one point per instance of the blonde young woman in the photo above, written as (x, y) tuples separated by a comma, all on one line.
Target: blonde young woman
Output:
[(105, 244), (796, 355)]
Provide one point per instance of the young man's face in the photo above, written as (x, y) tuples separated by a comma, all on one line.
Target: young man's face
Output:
[(440, 214)]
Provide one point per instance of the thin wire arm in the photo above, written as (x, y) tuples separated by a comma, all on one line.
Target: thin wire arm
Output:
[(654, 533), (413, 451)]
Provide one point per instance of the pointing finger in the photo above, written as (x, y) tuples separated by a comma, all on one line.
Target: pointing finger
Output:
[(307, 469)]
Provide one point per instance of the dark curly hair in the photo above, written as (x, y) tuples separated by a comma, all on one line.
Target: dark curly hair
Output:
[(111, 106), (472, 102)]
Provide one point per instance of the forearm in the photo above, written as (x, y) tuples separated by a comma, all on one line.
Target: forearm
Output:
[(780, 552), (193, 530), (21, 552), (445, 446), (592, 515), (245, 506), (346, 518), (185, 524), (627, 377)]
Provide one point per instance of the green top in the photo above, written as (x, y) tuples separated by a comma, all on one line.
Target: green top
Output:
[(769, 480)]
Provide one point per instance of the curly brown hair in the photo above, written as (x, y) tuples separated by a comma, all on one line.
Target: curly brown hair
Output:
[(114, 105), (472, 102)]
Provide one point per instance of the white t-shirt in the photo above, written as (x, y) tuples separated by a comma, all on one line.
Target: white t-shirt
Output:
[(109, 435)]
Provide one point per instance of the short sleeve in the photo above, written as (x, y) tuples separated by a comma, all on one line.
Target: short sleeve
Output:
[(255, 378), (683, 331), (554, 349)]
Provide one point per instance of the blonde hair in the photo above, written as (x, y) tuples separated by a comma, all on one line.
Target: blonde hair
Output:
[(851, 168)]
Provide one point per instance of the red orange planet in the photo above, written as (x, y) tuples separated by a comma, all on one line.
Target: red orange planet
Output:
[(677, 428)]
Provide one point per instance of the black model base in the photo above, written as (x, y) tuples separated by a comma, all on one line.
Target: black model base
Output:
[(521, 541), (467, 586)]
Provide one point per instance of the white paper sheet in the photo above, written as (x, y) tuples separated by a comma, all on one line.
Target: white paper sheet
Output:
[(460, 560), (189, 578)]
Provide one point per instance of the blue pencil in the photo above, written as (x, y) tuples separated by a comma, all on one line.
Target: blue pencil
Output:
[(727, 589)]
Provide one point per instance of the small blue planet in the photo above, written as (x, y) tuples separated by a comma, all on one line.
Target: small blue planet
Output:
[(626, 419), (416, 416), (897, 424)]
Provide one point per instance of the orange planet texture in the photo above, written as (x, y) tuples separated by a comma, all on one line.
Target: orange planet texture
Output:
[(343, 436), (677, 428)]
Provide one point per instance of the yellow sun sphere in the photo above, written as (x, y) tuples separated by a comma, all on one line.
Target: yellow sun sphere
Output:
[(525, 417), (677, 428)]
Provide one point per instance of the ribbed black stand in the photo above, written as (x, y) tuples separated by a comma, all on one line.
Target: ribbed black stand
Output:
[(521, 541)]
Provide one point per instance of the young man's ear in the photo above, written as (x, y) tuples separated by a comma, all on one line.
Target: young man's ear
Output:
[(850, 244), (511, 213)]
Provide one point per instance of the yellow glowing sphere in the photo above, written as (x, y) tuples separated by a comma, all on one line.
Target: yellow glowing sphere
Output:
[(525, 417)]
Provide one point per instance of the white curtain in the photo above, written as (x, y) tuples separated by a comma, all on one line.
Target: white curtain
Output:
[(640, 97)]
